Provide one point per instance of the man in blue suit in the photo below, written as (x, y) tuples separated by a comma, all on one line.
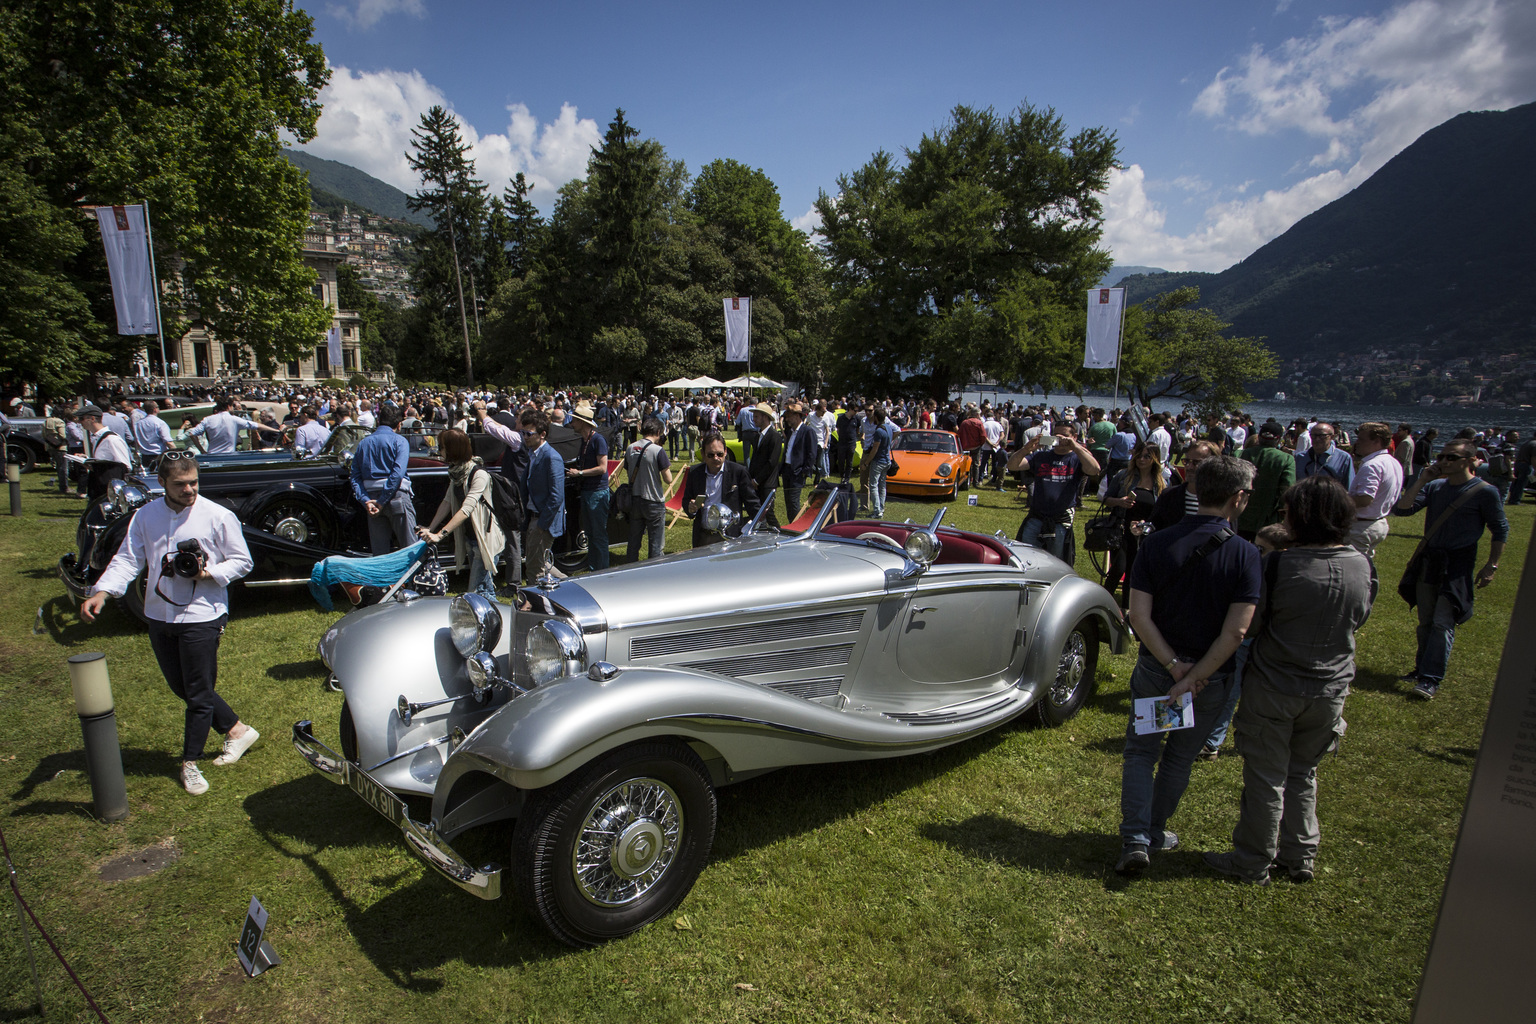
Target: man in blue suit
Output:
[(545, 491)]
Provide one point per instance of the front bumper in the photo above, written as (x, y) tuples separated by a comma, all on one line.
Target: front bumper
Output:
[(421, 839), (74, 582)]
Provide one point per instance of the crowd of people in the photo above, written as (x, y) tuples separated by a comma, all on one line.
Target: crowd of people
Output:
[(1242, 553)]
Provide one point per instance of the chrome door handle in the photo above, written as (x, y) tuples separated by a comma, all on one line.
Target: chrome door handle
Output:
[(929, 608)]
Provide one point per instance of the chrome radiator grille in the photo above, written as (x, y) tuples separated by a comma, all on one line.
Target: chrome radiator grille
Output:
[(672, 644)]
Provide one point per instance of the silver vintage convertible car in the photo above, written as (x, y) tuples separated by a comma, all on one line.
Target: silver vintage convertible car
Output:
[(604, 711)]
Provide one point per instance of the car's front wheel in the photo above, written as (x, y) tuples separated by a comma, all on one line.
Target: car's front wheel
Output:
[(1076, 668), (296, 519), (616, 845)]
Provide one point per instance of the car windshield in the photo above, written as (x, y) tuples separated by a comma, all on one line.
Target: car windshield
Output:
[(344, 439), (926, 441)]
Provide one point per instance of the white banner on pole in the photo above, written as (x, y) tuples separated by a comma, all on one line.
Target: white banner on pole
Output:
[(738, 329), (133, 280), (333, 342), (1105, 309)]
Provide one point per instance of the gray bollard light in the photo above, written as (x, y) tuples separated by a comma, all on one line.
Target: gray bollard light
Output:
[(98, 725), (13, 477)]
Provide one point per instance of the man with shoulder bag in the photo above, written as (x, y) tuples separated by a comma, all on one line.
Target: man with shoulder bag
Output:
[(648, 477), (192, 550), (1439, 578)]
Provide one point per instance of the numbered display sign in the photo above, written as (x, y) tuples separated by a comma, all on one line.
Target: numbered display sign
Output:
[(256, 954)]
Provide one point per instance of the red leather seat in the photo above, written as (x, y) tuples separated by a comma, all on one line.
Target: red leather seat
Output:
[(960, 547)]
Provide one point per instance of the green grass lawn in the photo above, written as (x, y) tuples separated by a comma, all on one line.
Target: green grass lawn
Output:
[(969, 885)]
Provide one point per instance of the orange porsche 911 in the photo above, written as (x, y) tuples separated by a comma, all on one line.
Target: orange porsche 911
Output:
[(928, 462)]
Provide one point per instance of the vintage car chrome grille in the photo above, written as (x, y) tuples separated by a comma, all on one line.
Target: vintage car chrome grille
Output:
[(754, 633), (777, 661), (810, 689)]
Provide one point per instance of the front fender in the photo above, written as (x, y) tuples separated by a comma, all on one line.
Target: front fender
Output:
[(1067, 603), (399, 648)]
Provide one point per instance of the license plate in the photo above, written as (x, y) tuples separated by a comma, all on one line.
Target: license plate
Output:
[(376, 796)]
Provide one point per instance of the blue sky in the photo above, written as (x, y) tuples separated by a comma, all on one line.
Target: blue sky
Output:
[(1234, 120)]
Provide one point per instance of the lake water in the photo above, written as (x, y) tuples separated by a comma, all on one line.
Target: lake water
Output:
[(1446, 418)]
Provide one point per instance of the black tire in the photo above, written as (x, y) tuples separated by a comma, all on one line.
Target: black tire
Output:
[(19, 454), (655, 802), (133, 598), (573, 558), (1077, 667), (298, 520)]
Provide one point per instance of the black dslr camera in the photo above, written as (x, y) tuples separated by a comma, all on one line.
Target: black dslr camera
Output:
[(187, 562)]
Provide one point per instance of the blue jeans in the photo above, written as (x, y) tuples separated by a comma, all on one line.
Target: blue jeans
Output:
[(481, 581), (1063, 544), (1224, 719), (877, 488), (594, 520), (1436, 633), (1146, 803)]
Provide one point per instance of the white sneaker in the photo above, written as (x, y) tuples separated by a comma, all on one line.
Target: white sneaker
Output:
[(192, 778), (234, 748)]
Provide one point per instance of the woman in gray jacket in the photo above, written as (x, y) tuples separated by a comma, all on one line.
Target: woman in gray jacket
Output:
[(1317, 593)]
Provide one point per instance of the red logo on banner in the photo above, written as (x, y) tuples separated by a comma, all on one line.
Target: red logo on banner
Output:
[(1103, 296), (121, 215), (735, 303)]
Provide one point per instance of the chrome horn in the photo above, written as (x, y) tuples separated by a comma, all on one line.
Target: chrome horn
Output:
[(409, 709)]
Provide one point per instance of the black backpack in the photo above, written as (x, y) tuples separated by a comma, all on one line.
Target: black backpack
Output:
[(506, 502)]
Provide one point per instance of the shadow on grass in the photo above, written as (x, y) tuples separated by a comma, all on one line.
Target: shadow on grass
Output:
[(145, 763), (1088, 855), (416, 929), (1461, 757), (1378, 682), (62, 620), (298, 670)]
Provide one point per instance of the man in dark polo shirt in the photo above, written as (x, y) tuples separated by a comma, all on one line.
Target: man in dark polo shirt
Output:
[(1055, 475), (1194, 587)]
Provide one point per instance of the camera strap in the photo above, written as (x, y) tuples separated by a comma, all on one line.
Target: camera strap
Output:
[(164, 597)]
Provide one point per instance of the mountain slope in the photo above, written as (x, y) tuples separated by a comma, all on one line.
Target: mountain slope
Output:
[(356, 187), (1434, 247)]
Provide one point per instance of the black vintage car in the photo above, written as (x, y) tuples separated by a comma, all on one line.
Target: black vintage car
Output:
[(295, 510)]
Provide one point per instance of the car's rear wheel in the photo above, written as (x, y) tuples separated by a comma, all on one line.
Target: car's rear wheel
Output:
[(1077, 666), (616, 845)]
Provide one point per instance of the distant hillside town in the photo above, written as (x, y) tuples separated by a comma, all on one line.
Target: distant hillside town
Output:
[(378, 247)]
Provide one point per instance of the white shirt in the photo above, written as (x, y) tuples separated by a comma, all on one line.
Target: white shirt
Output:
[(108, 446), (152, 435), (1380, 478), (993, 431), (1163, 440), (154, 533), (366, 419), (822, 424), (311, 437), (222, 431), (1239, 436)]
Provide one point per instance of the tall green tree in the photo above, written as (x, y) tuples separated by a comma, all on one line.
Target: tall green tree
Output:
[(1175, 349), (118, 101), (456, 200), (968, 258)]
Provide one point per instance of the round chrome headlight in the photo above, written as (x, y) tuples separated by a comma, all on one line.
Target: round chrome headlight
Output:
[(946, 469), (555, 648), (474, 624), (717, 518), (482, 671), (922, 547), (133, 495)]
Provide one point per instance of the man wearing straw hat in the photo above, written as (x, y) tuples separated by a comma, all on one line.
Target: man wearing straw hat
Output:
[(763, 467), (591, 469)]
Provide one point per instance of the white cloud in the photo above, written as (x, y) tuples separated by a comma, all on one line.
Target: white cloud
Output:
[(1406, 71), (364, 14), (809, 221), (368, 117)]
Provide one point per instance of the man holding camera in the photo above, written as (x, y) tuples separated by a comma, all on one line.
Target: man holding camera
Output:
[(192, 550)]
